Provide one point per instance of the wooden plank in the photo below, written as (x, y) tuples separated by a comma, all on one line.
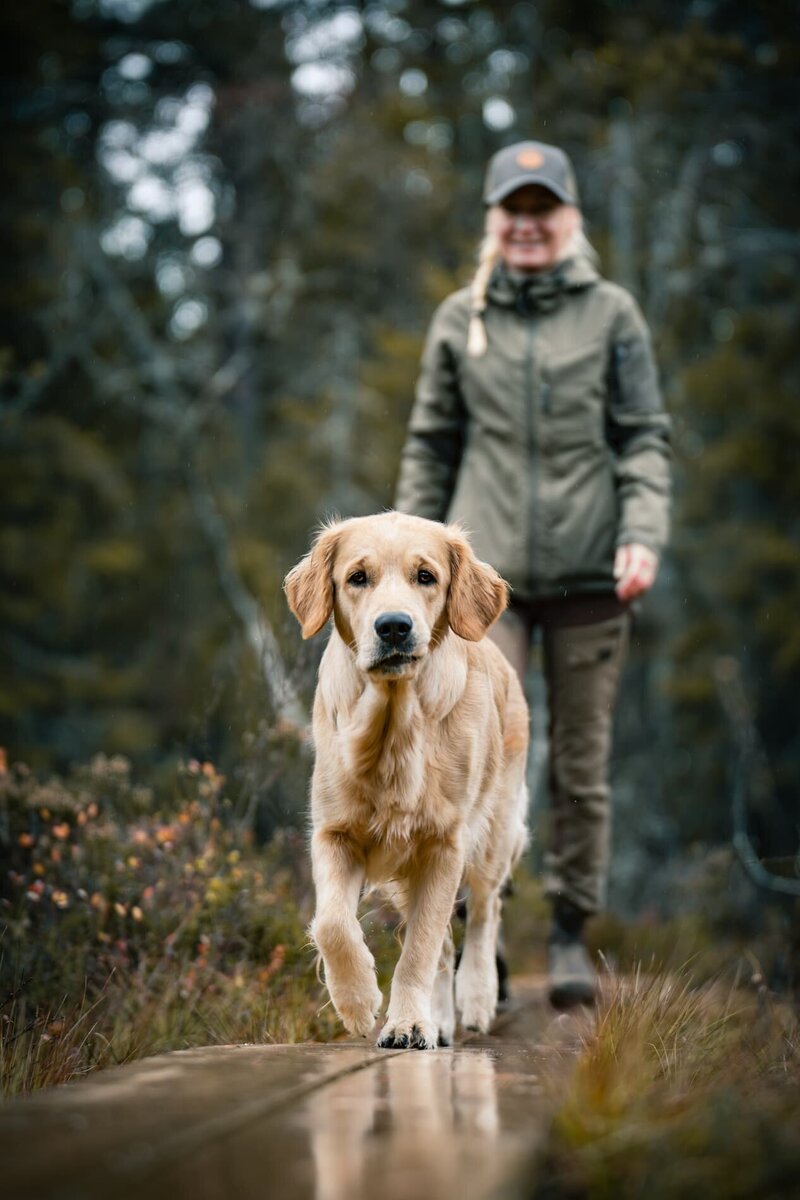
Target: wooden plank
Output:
[(330, 1122)]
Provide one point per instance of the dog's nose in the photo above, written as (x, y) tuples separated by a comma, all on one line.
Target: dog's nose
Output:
[(393, 628)]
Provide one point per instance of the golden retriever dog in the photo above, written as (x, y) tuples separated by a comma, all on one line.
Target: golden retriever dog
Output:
[(420, 734)]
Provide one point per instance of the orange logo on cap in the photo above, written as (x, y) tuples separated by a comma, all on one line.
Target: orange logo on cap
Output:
[(530, 158)]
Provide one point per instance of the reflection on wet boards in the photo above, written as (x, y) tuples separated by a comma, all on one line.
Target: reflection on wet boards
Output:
[(308, 1121)]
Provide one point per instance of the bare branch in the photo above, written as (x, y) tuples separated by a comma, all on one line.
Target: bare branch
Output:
[(752, 768), (257, 629), (673, 229), (175, 409)]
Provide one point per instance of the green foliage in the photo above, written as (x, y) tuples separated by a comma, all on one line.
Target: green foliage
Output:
[(341, 221), (134, 923)]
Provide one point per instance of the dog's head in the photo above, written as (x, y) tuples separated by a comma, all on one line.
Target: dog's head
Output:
[(394, 584)]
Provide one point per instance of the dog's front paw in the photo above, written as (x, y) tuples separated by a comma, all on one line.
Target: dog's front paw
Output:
[(476, 1004), (409, 1033), (359, 1011)]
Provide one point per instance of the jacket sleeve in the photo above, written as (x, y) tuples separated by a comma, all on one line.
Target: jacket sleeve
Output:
[(637, 428), (435, 439)]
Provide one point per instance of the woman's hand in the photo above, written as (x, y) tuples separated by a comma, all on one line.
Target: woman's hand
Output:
[(635, 570)]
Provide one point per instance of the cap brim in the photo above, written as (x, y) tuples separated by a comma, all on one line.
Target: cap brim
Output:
[(511, 185)]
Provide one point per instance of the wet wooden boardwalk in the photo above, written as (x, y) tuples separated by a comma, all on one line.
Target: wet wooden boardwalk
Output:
[(309, 1122)]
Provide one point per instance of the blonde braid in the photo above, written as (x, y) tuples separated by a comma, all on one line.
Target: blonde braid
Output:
[(488, 256)]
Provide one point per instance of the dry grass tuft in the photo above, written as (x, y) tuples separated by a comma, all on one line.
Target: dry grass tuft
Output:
[(678, 1090)]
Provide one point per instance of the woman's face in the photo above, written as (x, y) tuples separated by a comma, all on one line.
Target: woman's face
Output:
[(533, 228)]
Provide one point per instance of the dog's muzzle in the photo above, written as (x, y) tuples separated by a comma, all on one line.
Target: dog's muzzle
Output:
[(396, 641), (394, 629)]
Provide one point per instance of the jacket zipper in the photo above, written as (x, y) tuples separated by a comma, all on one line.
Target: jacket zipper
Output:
[(531, 419)]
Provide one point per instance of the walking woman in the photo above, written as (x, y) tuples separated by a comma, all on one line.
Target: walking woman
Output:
[(539, 424)]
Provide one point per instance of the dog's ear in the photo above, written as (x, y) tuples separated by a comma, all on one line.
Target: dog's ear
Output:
[(478, 595), (309, 585)]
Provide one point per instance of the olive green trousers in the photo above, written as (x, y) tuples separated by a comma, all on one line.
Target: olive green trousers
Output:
[(582, 666)]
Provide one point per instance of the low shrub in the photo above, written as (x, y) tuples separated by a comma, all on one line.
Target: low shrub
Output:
[(131, 924)]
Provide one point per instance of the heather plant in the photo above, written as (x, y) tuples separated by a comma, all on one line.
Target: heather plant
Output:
[(133, 923)]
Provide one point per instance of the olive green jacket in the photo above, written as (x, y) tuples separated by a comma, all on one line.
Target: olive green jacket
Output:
[(552, 448)]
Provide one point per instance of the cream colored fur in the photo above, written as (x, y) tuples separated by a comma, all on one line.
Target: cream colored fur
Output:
[(419, 779)]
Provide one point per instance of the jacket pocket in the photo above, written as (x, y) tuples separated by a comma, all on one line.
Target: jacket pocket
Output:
[(634, 382)]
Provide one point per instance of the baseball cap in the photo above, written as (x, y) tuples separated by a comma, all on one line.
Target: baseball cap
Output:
[(529, 162)]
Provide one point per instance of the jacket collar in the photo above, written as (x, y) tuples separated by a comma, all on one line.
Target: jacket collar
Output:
[(540, 291)]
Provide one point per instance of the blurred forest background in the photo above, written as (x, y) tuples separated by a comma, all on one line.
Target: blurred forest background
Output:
[(226, 226)]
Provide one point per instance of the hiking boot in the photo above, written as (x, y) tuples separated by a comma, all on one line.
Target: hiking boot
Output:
[(572, 979)]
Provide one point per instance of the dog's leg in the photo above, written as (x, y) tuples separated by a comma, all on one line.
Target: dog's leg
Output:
[(431, 895), (349, 967), (444, 1012), (476, 978)]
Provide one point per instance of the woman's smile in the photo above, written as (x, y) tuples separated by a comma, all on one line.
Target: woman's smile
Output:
[(533, 227)]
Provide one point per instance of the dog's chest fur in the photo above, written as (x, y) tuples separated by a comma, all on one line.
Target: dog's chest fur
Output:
[(391, 759), (388, 739)]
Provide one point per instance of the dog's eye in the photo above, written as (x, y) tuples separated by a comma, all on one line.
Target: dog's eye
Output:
[(358, 578), (426, 578)]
